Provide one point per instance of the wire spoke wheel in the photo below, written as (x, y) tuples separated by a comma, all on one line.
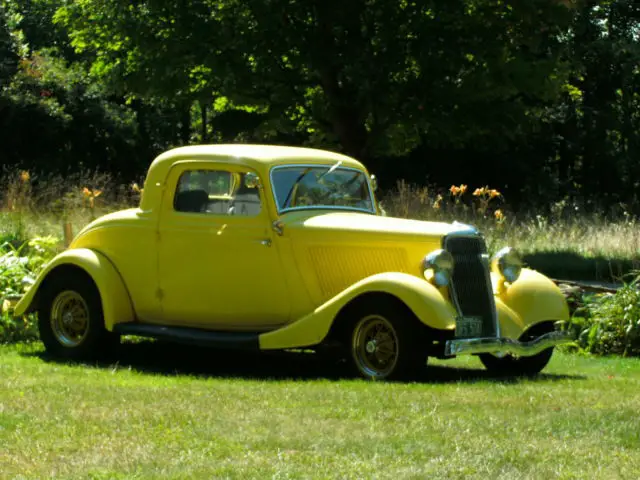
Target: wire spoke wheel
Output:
[(69, 318), (375, 346)]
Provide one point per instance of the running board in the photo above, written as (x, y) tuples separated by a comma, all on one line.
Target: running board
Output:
[(192, 336)]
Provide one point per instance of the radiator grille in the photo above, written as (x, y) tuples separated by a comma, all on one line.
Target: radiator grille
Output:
[(471, 285)]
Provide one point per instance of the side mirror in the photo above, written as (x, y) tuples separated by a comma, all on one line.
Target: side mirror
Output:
[(374, 183), (251, 180)]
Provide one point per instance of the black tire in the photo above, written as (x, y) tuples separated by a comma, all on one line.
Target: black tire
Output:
[(384, 322), (521, 366), (70, 318)]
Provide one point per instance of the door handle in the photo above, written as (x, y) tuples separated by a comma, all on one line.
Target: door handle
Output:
[(266, 242)]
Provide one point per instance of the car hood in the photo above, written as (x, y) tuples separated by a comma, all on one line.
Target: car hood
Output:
[(334, 250), (365, 224)]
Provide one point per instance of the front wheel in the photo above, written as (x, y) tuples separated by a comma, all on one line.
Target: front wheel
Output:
[(384, 342), (512, 365), (70, 318)]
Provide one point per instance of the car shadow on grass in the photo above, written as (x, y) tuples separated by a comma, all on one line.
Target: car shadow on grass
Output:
[(165, 358)]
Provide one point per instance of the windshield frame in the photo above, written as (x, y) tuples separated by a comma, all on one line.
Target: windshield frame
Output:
[(373, 210)]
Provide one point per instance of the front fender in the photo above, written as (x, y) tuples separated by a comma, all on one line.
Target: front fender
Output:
[(425, 300), (532, 299), (116, 303)]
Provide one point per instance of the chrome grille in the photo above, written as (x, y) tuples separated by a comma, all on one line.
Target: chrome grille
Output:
[(471, 284)]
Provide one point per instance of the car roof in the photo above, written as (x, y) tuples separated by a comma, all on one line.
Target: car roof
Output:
[(259, 157)]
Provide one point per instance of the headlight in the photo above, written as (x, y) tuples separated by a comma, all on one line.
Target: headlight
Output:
[(438, 267), (508, 264)]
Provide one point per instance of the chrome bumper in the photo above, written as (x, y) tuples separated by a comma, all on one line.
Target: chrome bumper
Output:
[(469, 346)]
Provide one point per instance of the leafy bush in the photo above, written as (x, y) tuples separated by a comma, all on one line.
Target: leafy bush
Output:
[(14, 330), (609, 324), (18, 268)]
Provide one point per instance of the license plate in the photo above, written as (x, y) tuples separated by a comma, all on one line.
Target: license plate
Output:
[(468, 326)]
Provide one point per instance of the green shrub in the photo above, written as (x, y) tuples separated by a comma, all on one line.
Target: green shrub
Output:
[(14, 330), (18, 268), (609, 324)]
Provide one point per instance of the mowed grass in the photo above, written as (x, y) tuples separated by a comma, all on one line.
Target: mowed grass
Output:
[(168, 412)]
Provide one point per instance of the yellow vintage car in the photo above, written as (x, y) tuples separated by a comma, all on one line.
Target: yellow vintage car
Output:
[(278, 248)]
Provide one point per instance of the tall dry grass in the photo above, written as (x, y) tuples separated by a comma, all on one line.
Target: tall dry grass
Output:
[(34, 205), (564, 226)]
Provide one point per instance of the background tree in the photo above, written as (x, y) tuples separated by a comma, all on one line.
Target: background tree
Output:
[(538, 97), (8, 55)]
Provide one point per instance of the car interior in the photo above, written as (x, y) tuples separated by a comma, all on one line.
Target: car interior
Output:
[(243, 201)]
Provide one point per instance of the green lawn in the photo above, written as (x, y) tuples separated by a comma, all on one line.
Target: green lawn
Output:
[(169, 412)]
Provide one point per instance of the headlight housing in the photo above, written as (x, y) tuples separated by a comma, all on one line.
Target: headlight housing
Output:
[(508, 264), (438, 267)]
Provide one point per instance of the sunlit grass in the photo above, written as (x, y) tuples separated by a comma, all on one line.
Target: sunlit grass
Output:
[(164, 412)]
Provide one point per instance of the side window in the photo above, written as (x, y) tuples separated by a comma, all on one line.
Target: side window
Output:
[(216, 192)]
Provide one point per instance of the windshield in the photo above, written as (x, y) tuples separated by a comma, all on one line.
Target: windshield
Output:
[(321, 186)]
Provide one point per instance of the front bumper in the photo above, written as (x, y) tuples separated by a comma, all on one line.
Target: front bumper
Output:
[(470, 346)]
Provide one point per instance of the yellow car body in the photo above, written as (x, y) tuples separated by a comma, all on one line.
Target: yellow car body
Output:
[(280, 280)]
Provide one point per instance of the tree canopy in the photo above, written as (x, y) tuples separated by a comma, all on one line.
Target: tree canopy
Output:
[(539, 96)]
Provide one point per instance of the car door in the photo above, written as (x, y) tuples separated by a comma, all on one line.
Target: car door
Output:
[(219, 266)]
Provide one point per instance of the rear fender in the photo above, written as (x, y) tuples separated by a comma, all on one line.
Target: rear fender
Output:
[(116, 302), (427, 303)]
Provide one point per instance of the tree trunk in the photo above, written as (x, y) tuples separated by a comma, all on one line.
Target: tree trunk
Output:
[(203, 116), (185, 127), (345, 115)]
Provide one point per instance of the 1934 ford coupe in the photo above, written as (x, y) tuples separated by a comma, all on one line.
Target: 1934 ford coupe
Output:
[(267, 247)]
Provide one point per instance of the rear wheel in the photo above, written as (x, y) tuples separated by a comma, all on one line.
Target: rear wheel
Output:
[(513, 365), (384, 341), (70, 318)]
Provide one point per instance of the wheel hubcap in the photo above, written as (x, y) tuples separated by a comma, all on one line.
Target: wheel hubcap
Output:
[(69, 318), (372, 346), (375, 346)]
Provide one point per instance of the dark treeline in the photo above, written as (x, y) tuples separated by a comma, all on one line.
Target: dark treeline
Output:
[(539, 98)]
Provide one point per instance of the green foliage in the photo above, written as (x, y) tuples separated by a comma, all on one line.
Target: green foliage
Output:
[(18, 268), (597, 122), (15, 330), (540, 96), (371, 78), (55, 115), (70, 116), (8, 55), (609, 324)]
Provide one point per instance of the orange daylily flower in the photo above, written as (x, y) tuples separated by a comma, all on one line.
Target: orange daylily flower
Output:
[(458, 190), (91, 193)]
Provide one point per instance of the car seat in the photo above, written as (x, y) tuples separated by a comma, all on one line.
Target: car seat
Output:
[(191, 201)]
